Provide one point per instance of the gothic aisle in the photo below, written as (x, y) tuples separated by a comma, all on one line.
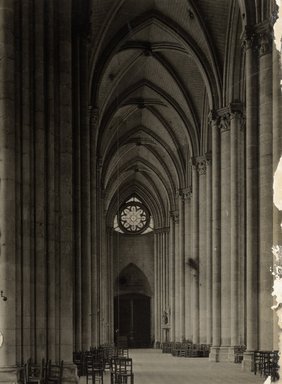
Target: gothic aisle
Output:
[(151, 366)]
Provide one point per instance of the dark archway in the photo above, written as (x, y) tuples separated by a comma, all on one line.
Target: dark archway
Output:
[(132, 307), (132, 319)]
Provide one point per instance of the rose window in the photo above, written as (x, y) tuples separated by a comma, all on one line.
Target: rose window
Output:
[(134, 217)]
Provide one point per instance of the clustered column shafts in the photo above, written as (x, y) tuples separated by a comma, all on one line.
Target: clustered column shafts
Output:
[(7, 188), (209, 248), (235, 127), (201, 169), (251, 68), (173, 217), (176, 280), (224, 126), (85, 127), (187, 194), (181, 266), (216, 255), (195, 253), (264, 32), (95, 289)]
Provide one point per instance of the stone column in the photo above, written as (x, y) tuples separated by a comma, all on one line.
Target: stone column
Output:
[(27, 176), (94, 124), (181, 266), (265, 185), (64, 302), (111, 284), (104, 283), (195, 252), (159, 282), (216, 262), (187, 195), (235, 127), (7, 195), (40, 201), (176, 281), (201, 168), (157, 288), (224, 126), (209, 248), (167, 265), (173, 218), (85, 234), (251, 69)]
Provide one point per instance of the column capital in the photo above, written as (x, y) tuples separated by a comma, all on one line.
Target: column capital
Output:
[(186, 193), (93, 116), (208, 156), (236, 107), (161, 230), (199, 164), (249, 38), (264, 31), (99, 162), (175, 215), (224, 122), (213, 118), (236, 113)]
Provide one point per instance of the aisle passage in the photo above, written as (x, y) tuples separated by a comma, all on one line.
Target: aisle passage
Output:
[(152, 367)]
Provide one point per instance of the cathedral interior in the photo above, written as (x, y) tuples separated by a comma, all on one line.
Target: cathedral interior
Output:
[(138, 143)]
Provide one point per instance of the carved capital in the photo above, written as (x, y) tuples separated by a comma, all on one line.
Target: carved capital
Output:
[(213, 118), (236, 113), (224, 122), (199, 164), (175, 215), (265, 37), (186, 193), (249, 38)]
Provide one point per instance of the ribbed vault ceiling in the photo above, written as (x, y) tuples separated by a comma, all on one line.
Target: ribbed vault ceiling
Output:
[(156, 69)]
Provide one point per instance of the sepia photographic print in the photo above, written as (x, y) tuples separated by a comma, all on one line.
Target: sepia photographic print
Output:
[(140, 191)]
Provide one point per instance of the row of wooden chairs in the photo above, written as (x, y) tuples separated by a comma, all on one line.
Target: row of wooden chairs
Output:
[(186, 349), (46, 372), (101, 356), (266, 364)]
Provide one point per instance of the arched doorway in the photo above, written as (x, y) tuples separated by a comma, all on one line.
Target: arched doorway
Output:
[(132, 307), (132, 319)]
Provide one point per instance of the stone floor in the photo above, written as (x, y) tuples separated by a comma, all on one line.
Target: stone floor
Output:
[(150, 366)]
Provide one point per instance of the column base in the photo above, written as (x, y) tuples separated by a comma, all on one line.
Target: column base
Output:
[(248, 361), (214, 354), (225, 353), (70, 374), (157, 345), (10, 375), (233, 355)]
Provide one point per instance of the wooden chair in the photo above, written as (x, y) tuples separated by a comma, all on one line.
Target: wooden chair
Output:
[(123, 371), (94, 369), (54, 373), (35, 373), (78, 360)]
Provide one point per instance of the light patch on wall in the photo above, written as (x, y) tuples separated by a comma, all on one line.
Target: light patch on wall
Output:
[(278, 26), (277, 186), (277, 269)]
